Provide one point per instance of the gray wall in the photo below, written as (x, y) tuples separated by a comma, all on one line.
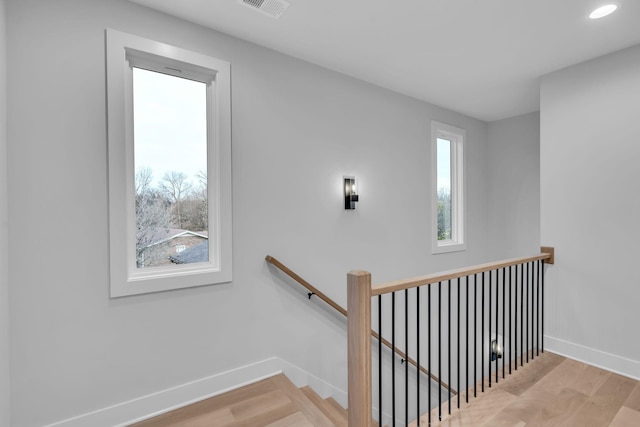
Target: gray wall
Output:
[(4, 275), (590, 204), (514, 186), (297, 129)]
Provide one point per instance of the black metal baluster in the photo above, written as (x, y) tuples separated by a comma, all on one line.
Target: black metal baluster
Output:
[(534, 305), (530, 305), (497, 319), (449, 343), (515, 319), (533, 308), (522, 315), (490, 318), (538, 308), (527, 316), (466, 370), (542, 320), (406, 361), (475, 335), (393, 359), (458, 343), (429, 353), (380, 359), (482, 337), (440, 351), (417, 355), (510, 337), (504, 328)]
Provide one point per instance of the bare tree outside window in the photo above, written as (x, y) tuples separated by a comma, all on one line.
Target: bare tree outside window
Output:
[(176, 188), (152, 217)]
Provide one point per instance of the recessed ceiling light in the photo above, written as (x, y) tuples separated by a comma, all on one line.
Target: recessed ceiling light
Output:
[(603, 11)]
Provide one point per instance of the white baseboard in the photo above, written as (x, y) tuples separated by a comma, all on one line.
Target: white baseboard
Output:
[(125, 413), (610, 362), (163, 401), (301, 378)]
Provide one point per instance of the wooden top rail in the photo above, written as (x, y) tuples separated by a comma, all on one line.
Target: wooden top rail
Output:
[(341, 310), (400, 285)]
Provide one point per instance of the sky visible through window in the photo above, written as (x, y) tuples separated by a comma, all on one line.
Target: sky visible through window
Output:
[(170, 116), (444, 165)]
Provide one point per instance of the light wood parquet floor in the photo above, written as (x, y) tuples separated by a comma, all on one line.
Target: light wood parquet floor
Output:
[(550, 391)]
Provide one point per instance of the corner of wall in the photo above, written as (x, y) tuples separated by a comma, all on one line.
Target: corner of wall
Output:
[(514, 185)]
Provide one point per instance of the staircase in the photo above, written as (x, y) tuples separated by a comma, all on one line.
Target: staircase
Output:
[(274, 402)]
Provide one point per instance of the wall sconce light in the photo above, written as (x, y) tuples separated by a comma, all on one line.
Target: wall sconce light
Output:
[(496, 350), (350, 192)]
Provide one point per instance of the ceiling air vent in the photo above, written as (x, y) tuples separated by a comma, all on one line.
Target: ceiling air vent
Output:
[(272, 8)]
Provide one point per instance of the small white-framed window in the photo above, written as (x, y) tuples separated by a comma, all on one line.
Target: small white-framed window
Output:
[(447, 188), (169, 143)]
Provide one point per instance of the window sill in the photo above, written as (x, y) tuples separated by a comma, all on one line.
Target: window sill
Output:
[(444, 248)]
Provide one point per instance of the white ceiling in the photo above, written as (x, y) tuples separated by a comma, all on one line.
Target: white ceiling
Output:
[(482, 58)]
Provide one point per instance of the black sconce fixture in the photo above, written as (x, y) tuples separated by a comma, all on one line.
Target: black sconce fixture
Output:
[(350, 193), (496, 350)]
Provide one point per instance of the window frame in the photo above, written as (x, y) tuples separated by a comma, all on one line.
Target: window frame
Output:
[(457, 136), (124, 51)]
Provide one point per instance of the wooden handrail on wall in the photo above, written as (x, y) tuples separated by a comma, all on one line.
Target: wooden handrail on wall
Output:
[(304, 283), (273, 261)]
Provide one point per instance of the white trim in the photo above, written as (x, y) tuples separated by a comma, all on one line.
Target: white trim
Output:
[(154, 404), (458, 137), (302, 378), (125, 277), (591, 356)]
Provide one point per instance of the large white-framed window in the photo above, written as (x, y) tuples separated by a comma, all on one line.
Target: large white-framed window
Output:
[(447, 188), (169, 144)]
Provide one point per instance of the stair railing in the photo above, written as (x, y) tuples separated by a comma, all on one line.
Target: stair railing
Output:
[(313, 291), (516, 315)]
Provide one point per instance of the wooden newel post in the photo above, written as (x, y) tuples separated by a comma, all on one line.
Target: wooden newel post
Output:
[(359, 348)]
